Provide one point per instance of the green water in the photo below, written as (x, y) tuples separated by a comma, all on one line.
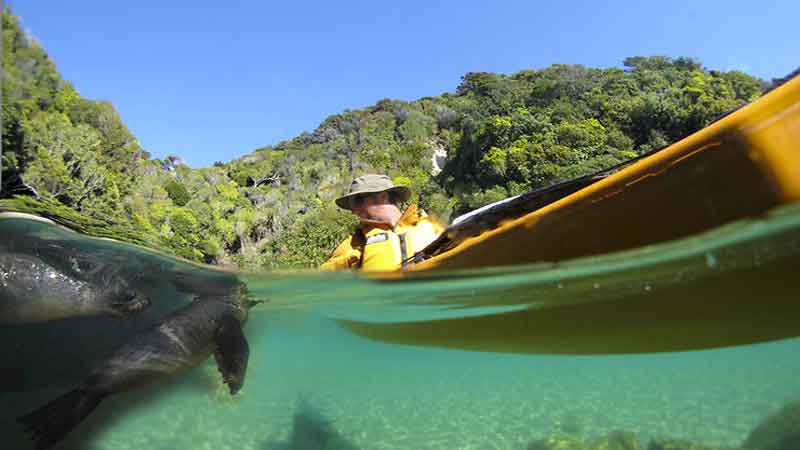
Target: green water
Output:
[(385, 396)]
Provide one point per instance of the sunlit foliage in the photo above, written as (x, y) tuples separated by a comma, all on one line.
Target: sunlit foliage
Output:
[(494, 136)]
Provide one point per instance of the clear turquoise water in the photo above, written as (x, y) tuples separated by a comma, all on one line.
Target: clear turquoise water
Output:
[(391, 397), (385, 396)]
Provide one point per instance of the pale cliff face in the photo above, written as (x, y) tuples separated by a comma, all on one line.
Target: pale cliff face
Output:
[(438, 159)]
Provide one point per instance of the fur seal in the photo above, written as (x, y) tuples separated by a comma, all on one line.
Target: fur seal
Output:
[(182, 340), (36, 288)]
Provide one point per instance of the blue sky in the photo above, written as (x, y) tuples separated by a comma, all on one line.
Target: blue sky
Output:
[(212, 81)]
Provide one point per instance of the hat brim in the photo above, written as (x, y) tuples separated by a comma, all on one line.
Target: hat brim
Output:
[(403, 194)]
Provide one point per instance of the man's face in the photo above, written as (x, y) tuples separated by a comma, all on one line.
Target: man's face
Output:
[(374, 207)]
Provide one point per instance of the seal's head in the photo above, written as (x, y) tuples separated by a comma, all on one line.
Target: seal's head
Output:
[(118, 291), (242, 301), (112, 282), (127, 302)]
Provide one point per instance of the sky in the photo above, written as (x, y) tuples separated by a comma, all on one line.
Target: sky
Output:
[(213, 81)]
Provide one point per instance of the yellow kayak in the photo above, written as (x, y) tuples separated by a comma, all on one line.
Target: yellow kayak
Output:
[(740, 166), (695, 246)]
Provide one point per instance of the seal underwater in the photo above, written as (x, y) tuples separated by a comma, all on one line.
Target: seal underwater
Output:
[(33, 289), (69, 301), (182, 340), (46, 276)]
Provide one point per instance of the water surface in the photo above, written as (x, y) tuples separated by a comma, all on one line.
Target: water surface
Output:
[(385, 396)]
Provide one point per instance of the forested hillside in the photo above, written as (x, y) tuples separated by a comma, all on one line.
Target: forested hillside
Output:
[(494, 136)]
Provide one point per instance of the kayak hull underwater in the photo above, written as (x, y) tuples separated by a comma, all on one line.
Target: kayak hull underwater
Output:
[(735, 285), (740, 168)]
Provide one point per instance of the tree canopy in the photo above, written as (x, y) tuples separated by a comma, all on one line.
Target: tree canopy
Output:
[(496, 135)]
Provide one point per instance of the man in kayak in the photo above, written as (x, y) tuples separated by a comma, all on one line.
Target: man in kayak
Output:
[(387, 236)]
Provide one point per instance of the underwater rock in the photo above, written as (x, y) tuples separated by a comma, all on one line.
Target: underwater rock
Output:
[(311, 431), (780, 431), (572, 425), (616, 440), (678, 444), (557, 442)]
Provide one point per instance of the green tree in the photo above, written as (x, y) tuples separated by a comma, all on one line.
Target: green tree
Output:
[(497, 134), (177, 193)]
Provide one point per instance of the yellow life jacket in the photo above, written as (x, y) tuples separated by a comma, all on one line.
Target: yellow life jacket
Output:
[(384, 248), (388, 249)]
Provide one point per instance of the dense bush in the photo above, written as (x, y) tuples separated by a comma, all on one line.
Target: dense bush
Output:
[(496, 135)]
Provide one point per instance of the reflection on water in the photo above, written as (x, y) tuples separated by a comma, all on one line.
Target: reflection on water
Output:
[(313, 384)]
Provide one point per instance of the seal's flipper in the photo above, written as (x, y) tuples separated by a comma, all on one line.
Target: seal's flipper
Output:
[(231, 353)]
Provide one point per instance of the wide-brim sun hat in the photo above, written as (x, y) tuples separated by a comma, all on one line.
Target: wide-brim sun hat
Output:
[(371, 184)]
